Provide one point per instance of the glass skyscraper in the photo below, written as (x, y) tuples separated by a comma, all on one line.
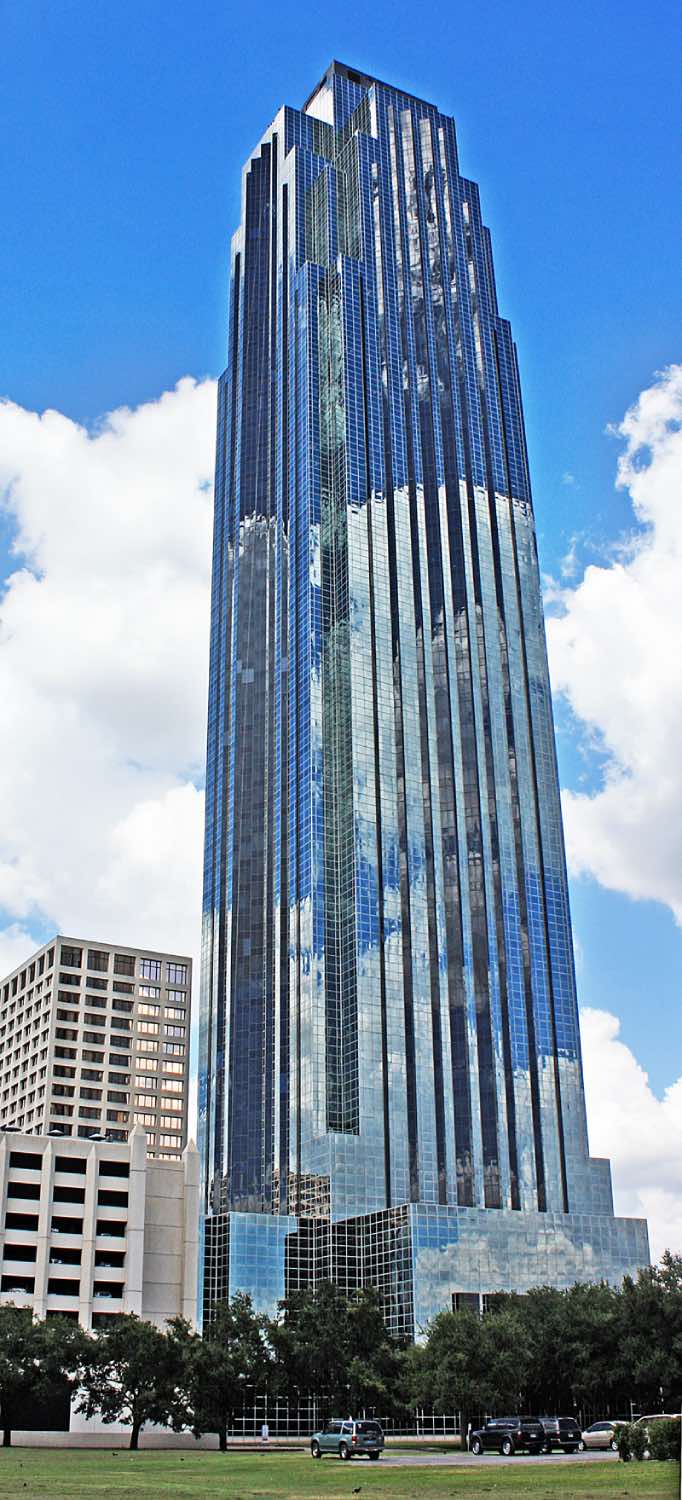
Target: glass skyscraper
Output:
[(390, 1074)]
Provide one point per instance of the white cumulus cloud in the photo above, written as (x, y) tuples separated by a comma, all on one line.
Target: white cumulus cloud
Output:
[(641, 1133), (615, 653), (103, 671)]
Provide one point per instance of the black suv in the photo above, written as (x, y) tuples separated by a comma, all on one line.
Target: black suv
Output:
[(561, 1432), (508, 1434)]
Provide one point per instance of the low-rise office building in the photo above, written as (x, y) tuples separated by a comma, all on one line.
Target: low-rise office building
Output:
[(94, 1039)]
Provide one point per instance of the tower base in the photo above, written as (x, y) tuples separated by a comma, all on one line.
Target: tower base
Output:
[(422, 1258)]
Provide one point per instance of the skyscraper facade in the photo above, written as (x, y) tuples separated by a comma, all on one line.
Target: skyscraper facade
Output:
[(390, 1074)]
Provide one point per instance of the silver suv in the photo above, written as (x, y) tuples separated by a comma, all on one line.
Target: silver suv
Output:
[(348, 1438)]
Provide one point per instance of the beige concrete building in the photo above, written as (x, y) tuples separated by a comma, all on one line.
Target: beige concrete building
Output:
[(91, 1229), (94, 1039)]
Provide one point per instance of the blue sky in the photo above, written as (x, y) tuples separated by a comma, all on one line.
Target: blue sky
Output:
[(125, 128)]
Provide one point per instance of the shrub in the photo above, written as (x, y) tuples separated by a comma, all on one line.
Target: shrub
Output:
[(664, 1440), (624, 1445), (638, 1440)]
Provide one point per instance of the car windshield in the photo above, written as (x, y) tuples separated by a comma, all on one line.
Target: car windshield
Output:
[(369, 1427)]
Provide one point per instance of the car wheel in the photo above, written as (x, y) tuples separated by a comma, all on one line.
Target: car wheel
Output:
[(344, 1451), (476, 1446), (570, 1448), (507, 1447), (613, 1445), (547, 1447), (374, 1456), (315, 1450), (581, 1446)]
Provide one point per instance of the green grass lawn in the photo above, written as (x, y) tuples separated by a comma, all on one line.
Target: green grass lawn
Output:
[(31, 1474)]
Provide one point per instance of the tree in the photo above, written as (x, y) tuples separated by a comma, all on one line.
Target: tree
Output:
[(64, 1352), (218, 1369), (650, 1334), (377, 1371), (558, 1325), (34, 1357), (507, 1359), (132, 1375), (20, 1372), (593, 1350), (543, 1314), (310, 1343), (474, 1364), (449, 1369), (338, 1349)]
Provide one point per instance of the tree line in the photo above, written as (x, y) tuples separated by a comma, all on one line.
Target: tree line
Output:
[(591, 1350)]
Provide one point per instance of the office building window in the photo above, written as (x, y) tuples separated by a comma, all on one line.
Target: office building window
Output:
[(150, 968), (70, 957), (124, 963), (98, 960)]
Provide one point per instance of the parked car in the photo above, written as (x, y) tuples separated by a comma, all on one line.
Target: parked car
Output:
[(561, 1432), (647, 1422), (657, 1416), (348, 1438), (600, 1435), (508, 1434)]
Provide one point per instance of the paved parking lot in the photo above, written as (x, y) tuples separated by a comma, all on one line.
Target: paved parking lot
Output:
[(465, 1460)]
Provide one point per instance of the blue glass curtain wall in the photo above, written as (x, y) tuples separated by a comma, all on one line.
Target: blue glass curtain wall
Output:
[(388, 1010)]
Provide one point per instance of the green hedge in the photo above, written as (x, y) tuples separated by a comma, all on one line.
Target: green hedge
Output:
[(664, 1440)]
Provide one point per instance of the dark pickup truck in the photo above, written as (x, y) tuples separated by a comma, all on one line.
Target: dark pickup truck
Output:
[(507, 1435)]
